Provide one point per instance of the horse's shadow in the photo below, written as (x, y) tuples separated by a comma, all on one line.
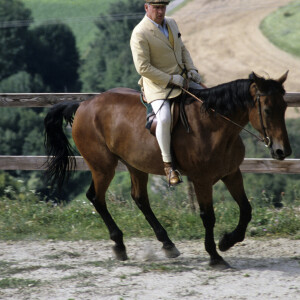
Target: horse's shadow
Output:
[(290, 266)]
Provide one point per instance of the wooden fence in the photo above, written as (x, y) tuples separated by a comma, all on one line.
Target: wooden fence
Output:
[(250, 165)]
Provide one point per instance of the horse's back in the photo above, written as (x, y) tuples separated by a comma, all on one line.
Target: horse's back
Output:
[(115, 120), (123, 90)]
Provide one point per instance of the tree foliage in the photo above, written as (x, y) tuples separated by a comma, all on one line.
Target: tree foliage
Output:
[(12, 37), (23, 82), (51, 52), (109, 63)]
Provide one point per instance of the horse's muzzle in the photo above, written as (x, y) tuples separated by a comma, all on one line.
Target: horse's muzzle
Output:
[(281, 154)]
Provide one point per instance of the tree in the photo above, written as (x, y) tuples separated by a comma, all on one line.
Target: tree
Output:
[(23, 82), (109, 63), (51, 52), (12, 36)]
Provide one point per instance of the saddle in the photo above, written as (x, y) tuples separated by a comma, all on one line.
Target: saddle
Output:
[(177, 112)]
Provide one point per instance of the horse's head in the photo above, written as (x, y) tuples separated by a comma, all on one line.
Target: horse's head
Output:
[(267, 114)]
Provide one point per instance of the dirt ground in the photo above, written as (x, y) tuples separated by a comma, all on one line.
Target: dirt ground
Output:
[(268, 269), (225, 42)]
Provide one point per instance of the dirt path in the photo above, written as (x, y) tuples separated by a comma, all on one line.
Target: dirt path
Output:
[(225, 42), (86, 270)]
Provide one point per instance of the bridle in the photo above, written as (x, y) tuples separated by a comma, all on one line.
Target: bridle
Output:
[(266, 140)]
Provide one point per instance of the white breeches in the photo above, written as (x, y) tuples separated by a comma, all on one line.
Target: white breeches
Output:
[(162, 110), (163, 129)]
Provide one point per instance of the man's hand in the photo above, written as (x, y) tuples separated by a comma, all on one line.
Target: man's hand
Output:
[(177, 80), (194, 75)]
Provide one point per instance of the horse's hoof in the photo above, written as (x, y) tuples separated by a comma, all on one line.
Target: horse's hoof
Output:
[(120, 254), (219, 264), (171, 252), (224, 243)]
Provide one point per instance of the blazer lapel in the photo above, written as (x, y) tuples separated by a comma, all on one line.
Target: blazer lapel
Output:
[(156, 32)]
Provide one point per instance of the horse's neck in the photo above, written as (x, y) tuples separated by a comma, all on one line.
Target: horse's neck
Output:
[(217, 122)]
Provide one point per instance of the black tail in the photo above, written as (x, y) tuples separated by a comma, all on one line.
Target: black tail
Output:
[(60, 153)]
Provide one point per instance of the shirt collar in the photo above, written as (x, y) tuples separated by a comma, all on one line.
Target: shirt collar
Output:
[(164, 24)]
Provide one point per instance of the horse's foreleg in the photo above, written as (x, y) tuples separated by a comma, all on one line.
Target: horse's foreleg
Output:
[(96, 194), (234, 183), (140, 196), (204, 197)]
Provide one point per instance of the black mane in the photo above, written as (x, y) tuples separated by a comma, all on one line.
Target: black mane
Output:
[(228, 97)]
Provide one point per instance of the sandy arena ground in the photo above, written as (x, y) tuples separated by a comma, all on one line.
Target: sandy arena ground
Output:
[(262, 270), (226, 44)]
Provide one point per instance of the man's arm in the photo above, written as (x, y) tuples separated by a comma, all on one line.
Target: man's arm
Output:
[(189, 65), (186, 57)]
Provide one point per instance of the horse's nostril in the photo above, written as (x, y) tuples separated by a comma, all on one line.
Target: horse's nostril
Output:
[(279, 153)]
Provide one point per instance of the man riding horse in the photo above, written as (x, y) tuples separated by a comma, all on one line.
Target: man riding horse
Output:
[(164, 63)]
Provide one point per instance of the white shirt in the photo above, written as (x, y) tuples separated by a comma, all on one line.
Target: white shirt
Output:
[(163, 28)]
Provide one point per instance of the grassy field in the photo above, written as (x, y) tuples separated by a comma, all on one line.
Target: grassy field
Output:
[(282, 28), (24, 216), (78, 14)]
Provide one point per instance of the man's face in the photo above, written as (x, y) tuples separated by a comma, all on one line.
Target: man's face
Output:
[(156, 12)]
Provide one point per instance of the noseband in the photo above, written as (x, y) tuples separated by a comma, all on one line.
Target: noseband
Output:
[(266, 139)]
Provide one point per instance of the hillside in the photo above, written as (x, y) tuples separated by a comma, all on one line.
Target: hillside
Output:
[(226, 43), (78, 14), (282, 27)]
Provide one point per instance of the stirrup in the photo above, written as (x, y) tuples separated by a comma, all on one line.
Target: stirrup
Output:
[(178, 175)]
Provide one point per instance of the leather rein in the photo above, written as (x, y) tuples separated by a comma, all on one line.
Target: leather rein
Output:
[(266, 140)]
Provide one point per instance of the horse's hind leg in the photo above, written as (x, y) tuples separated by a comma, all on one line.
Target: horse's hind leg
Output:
[(140, 196), (234, 183), (96, 194)]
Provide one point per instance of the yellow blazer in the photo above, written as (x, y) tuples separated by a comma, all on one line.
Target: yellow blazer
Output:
[(156, 60)]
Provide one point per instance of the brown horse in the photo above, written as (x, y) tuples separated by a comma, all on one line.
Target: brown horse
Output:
[(110, 127)]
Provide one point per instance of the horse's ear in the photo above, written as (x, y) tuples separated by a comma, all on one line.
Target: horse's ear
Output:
[(283, 78), (258, 80)]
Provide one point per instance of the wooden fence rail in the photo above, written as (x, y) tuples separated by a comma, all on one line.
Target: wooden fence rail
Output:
[(47, 100), (250, 165), (30, 163)]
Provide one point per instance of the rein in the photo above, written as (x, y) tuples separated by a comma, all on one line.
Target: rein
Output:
[(266, 140)]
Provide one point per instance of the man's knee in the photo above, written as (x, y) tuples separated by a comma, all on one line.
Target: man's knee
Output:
[(165, 119)]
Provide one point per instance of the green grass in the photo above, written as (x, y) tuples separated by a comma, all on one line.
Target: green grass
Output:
[(13, 283), (31, 219), (78, 14), (282, 28), (179, 7)]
